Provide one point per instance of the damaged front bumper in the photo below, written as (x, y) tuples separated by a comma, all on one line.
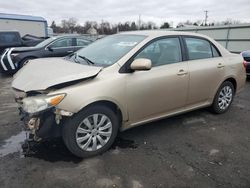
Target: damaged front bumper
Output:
[(40, 117), (44, 125)]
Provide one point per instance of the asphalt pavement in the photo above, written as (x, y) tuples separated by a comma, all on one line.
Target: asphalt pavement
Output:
[(196, 149)]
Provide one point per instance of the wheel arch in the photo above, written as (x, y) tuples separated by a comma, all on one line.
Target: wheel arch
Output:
[(215, 103), (110, 104), (26, 58), (231, 79), (29, 57)]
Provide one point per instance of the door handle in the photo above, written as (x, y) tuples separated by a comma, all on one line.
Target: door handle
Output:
[(70, 51), (220, 65), (181, 72)]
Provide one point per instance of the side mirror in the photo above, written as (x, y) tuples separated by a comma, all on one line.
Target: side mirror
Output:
[(50, 49), (141, 64)]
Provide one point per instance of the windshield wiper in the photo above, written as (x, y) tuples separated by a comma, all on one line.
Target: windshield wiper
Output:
[(86, 59), (75, 57)]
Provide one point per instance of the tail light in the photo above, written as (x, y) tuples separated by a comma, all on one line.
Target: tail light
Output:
[(245, 64)]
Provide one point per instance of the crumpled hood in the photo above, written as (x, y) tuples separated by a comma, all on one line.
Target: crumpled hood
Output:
[(40, 74)]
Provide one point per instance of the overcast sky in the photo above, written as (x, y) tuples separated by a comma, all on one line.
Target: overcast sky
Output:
[(116, 11)]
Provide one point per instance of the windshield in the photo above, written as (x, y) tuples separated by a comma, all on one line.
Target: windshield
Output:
[(45, 42), (107, 51)]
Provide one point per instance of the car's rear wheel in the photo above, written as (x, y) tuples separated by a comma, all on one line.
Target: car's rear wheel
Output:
[(223, 98), (91, 131)]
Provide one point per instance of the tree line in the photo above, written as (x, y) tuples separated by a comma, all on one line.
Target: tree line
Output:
[(105, 28), (228, 21)]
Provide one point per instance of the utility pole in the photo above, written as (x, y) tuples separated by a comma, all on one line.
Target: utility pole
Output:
[(139, 22), (206, 16), (102, 28)]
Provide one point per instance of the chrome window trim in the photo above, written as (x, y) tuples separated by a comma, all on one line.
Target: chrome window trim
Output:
[(61, 47)]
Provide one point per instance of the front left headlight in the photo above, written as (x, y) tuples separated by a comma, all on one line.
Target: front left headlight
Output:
[(36, 104)]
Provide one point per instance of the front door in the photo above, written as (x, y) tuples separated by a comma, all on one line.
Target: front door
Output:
[(162, 89), (60, 48)]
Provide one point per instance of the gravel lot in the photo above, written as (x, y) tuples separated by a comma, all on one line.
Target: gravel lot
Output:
[(197, 149)]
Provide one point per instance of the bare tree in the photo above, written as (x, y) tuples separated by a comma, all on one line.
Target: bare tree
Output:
[(104, 28), (69, 25), (165, 25)]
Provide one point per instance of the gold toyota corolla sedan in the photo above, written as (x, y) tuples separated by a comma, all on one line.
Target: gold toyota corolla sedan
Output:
[(122, 81)]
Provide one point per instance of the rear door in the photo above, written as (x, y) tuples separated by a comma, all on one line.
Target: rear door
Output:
[(206, 69)]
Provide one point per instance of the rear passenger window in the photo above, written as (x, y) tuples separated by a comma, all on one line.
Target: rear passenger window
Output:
[(81, 42), (198, 48), (61, 43)]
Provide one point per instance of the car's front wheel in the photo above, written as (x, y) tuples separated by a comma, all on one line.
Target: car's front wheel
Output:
[(223, 98), (91, 131)]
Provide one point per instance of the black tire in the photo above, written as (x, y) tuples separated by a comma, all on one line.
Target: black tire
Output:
[(215, 108), (24, 61), (70, 127)]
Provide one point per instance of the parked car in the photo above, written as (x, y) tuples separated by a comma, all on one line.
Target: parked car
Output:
[(13, 39), (246, 56), (14, 58), (122, 81), (31, 40)]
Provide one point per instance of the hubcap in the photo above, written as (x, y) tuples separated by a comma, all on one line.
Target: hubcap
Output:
[(225, 97), (93, 132)]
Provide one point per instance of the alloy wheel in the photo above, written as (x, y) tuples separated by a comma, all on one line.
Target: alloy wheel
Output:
[(225, 97), (93, 132)]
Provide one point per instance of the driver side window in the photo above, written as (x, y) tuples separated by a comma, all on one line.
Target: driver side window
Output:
[(162, 52), (61, 43)]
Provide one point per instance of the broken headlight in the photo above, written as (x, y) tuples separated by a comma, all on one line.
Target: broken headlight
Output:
[(36, 104)]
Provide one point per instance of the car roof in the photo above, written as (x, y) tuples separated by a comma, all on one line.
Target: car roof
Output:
[(152, 34), (9, 31), (159, 33), (71, 35)]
